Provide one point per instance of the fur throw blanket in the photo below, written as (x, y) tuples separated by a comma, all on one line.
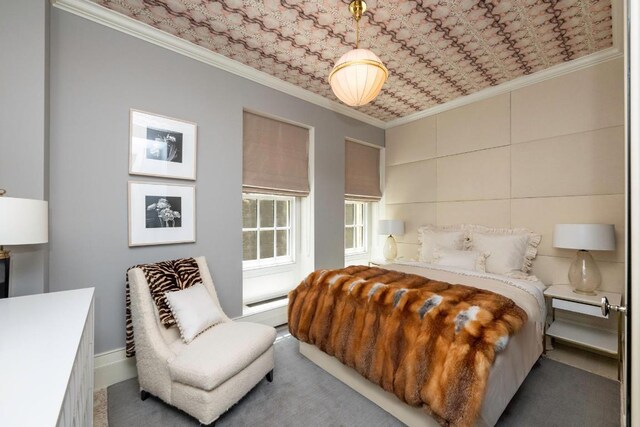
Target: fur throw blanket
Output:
[(162, 277), (430, 343)]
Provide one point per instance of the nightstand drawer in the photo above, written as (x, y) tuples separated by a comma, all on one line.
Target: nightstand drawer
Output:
[(576, 307)]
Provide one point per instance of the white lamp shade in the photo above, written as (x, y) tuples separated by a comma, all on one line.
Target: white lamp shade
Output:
[(388, 227), (589, 237), (23, 221), (357, 77)]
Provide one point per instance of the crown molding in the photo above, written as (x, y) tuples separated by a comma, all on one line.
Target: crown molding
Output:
[(605, 55), (127, 25), (117, 21)]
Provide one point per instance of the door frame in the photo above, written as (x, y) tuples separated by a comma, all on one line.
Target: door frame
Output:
[(631, 386)]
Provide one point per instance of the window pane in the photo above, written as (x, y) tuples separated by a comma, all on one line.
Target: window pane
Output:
[(266, 241), (281, 242), (282, 218), (266, 217), (249, 213), (348, 238), (348, 214), (249, 245), (359, 209)]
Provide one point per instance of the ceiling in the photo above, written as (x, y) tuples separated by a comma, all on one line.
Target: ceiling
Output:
[(435, 50)]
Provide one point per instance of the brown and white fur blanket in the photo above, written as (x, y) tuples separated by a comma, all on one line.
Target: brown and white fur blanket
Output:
[(430, 343)]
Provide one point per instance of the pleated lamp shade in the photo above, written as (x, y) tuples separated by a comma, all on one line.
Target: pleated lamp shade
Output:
[(357, 77)]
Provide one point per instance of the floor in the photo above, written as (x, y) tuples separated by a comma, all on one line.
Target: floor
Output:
[(302, 394), (569, 355)]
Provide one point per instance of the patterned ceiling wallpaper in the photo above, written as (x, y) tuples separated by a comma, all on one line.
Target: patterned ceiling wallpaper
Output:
[(436, 50)]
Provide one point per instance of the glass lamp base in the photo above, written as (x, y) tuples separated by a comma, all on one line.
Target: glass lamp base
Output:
[(390, 250), (584, 275)]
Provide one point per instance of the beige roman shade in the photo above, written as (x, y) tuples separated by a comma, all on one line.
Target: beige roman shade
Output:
[(362, 172), (275, 157)]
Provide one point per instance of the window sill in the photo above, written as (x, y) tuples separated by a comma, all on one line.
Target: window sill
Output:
[(260, 308), (257, 271), (356, 255)]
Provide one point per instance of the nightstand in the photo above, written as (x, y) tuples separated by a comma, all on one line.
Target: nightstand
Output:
[(603, 341)]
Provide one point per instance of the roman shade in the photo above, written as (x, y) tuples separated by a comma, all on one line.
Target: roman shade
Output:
[(275, 157), (362, 172)]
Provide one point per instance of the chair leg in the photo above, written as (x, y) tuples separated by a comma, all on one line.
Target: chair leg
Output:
[(144, 395), (270, 376)]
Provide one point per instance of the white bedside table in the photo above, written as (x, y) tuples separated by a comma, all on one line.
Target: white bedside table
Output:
[(590, 337)]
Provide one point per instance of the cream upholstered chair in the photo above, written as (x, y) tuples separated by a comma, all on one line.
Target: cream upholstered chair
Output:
[(207, 376)]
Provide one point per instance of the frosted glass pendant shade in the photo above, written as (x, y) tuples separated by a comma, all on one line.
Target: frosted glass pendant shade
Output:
[(357, 77), (584, 275)]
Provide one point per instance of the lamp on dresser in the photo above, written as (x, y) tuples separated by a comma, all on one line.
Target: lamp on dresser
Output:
[(22, 222), (390, 227), (584, 275)]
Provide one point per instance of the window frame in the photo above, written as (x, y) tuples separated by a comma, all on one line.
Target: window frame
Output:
[(364, 226), (275, 261)]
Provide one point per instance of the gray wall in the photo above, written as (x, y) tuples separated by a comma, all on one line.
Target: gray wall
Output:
[(24, 123), (97, 74)]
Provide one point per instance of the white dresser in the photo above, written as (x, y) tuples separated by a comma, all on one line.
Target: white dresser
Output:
[(46, 359)]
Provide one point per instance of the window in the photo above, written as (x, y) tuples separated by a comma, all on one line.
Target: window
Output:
[(355, 227), (267, 230)]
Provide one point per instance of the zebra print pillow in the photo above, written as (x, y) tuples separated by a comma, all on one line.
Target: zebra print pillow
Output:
[(162, 277)]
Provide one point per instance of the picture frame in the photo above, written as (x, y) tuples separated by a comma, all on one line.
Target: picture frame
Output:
[(161, 214), (162, 146)]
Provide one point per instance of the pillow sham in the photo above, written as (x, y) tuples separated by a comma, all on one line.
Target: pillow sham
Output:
[(193, 310), (512, 250), (431, 236), (466, 260)]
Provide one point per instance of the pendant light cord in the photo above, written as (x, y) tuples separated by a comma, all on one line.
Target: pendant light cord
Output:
[(357, 33)]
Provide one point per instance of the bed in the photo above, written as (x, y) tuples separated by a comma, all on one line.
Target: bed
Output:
[(508, 370)]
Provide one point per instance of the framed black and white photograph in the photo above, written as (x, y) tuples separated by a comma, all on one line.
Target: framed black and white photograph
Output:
[(161, 214), (162, 146)]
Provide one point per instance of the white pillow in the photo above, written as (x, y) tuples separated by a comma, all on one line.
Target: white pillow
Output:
[(506, 251), (194, 311), (528, 251), (430, 236), (466, 260)]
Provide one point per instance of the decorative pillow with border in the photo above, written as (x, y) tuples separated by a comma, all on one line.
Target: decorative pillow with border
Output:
[(448, 237), (512, 249), (467, 260), (194, 311)]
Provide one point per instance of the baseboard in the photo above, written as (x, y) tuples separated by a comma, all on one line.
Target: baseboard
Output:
[(113, 366)]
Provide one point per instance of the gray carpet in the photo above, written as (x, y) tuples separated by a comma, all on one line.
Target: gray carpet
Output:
[(304, 395)]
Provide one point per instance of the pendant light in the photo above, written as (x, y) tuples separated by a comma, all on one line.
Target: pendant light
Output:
[(358, 76)]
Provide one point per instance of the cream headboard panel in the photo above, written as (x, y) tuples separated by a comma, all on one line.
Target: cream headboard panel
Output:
[(548, 153)]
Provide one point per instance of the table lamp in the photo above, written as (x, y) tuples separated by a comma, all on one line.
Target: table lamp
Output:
[(584, 275), (390, 227), (22, 222)]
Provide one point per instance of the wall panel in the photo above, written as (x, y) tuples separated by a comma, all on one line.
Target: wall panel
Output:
[(545, 154), (483, 124), (478, 175), (577, 164), (411, 182), (588, 99), (414, 215), (411, 142)]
